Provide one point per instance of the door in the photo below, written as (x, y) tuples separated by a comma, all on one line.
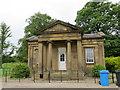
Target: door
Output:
[(62, 58)]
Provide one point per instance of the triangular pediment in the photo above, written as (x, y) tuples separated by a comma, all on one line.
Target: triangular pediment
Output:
[(60, 27)]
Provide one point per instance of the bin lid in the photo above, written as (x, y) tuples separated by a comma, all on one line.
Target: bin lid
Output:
[(118, 71), (104, 71)]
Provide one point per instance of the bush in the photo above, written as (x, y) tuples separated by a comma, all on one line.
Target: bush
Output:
[(20, 70), (112, 63), (96, 68)]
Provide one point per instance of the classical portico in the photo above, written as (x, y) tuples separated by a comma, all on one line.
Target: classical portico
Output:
[(63, 46)]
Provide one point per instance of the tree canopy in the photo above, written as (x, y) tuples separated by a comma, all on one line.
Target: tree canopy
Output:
[(7, 48), (4, 35), (35, 23), (112, 45), (99, 16), (102, 17)]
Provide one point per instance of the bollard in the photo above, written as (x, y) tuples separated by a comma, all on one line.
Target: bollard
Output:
[(34, 76), (6, 77), (78, 76), (49, 76)]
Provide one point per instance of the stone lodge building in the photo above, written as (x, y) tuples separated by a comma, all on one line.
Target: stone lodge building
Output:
[(63, 46)]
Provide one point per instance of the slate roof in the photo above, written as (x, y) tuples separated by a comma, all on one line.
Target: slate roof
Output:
[(32, 39), (88, 36)]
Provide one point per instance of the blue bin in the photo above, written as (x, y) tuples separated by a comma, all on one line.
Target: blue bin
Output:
[(104, 80)]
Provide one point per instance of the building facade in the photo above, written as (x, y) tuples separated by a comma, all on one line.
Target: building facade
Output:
[(63, 47)]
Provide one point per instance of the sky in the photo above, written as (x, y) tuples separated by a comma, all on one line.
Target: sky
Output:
[(15, 12)]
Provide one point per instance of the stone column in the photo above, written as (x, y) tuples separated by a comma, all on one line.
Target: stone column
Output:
[(49, 58), (29, 55), (34, 58), (44, 58), (79, 52), (96, 54), (31, 60), (40, 57), (101, 53), (80, 58), (32, 51), (69, 55)]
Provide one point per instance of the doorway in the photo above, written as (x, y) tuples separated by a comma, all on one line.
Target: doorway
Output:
[(62, 58)]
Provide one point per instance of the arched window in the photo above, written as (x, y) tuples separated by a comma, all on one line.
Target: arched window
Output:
[(62, 57)]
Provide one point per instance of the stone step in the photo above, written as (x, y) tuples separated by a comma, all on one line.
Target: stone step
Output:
[(58, 75), (64, 75)]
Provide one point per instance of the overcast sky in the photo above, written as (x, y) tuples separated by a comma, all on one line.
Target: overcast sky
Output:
[(15, 12)]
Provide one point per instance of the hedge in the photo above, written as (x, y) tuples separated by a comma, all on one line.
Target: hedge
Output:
[(112, 63)]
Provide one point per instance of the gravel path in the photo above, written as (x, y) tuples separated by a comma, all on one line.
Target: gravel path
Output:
[(28, 83)]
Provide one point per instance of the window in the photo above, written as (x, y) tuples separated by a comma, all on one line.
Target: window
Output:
[(62, 57), (89, 55)]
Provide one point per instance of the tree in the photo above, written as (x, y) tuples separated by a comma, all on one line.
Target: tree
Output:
[(99, 16), (23, 50), (4, 35), (102, 17), (7, 48), (112, 45), (35, 23)]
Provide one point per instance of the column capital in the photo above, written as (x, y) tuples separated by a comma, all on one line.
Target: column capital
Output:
[(49, 41), (79, 40), (44, 43), (68, 41), (29, 46), (39, 41)]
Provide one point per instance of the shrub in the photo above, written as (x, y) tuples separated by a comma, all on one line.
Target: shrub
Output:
[(20, 70), (112, 63), (96, 68)]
